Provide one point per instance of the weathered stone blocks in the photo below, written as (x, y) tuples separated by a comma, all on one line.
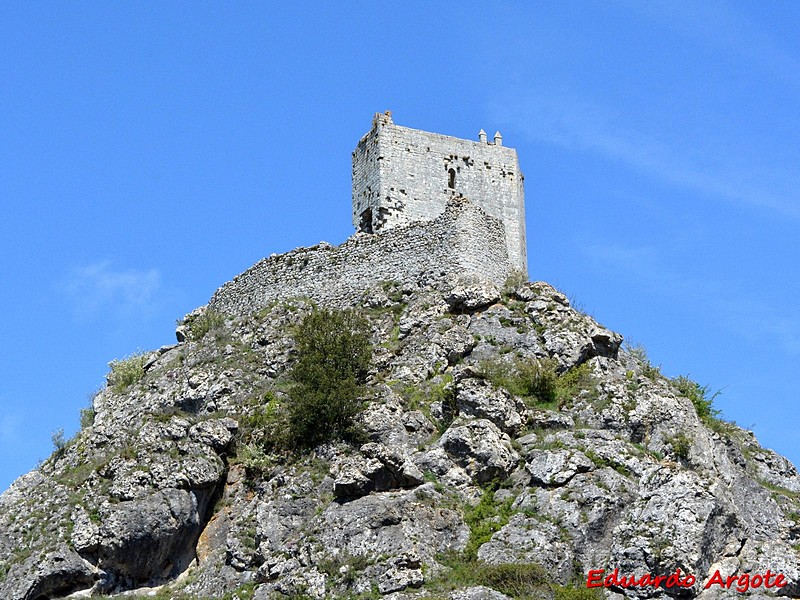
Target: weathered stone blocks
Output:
[(462, 241), (402, 175)]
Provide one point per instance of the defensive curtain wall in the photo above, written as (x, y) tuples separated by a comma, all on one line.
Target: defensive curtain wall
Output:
[(402, 175), (462, 241)]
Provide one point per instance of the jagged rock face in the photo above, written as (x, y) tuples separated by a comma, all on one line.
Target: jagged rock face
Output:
[(170, 485)]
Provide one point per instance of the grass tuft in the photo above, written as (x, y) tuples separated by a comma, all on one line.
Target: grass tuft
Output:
[(127, 371)]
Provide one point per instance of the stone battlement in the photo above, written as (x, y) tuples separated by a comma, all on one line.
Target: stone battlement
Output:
[(462, 240)]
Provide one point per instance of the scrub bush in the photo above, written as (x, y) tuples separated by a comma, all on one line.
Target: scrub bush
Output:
[(333, 358)]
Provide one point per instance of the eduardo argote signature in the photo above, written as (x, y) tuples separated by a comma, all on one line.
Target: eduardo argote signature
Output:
[(742, 582)]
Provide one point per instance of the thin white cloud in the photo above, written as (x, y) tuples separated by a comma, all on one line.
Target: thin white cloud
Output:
[(710, 167), (731, 307), (719, 25), (99, 287)]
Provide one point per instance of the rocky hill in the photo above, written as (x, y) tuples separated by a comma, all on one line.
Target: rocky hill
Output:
[(510, 446)]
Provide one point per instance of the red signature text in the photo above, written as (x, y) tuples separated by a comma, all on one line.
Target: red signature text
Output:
[(742, 583)]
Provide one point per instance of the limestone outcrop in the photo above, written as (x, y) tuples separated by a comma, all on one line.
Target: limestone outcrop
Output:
[(470, 477)]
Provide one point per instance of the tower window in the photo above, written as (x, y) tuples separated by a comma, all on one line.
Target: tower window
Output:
[(365, 226), (451, 179)]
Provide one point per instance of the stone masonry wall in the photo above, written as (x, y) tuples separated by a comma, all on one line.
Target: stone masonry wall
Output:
[(463, 240), (401, 175)]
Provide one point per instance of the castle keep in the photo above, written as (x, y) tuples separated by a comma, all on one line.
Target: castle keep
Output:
[(441, 208), (402, 175)]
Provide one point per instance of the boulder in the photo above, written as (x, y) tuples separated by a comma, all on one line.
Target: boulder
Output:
[(480, 448), (394, 523), (150, 538), (529, 540), (54, 574), (556, 467), (403, 571), (478, 398), (468, 295), (378, 468), (478, 592)]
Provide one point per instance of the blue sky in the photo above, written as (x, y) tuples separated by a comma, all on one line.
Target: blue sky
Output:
[(149, 152)]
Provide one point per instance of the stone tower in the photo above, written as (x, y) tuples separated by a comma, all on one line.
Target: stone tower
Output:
[(402, 175)]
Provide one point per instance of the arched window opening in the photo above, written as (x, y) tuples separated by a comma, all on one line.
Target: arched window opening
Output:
[(451, 179)]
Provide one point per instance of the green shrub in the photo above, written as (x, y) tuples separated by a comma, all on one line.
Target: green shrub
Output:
[(484, 519), (264, 428), (394, 291), (200, 324), (207, 321), (513, 579), (639, 354), (127, 371), (265, 416), (568, 592), (87, 417), (59, 441), (728, 429), (698, 394), (129, 452), (527, 379), (681, 445), (538, 381), (333, 358), (570, 383), (420, 396), (254, 459), (601, 462), (518, 580), (87, 414), (345, 567)]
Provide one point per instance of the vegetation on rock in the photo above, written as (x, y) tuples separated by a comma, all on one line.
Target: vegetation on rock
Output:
[(538, 381), (485, 519), (127, 371), (523, 581), (698, 394), (333, 357), (509, 446), (207, 320)]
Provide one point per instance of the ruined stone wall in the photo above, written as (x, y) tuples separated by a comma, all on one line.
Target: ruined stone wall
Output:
[(401, 175), (366, 182), (463, 240)]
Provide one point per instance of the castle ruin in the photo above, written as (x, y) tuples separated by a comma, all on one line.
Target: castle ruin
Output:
[(402, 175), (427, 208)]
